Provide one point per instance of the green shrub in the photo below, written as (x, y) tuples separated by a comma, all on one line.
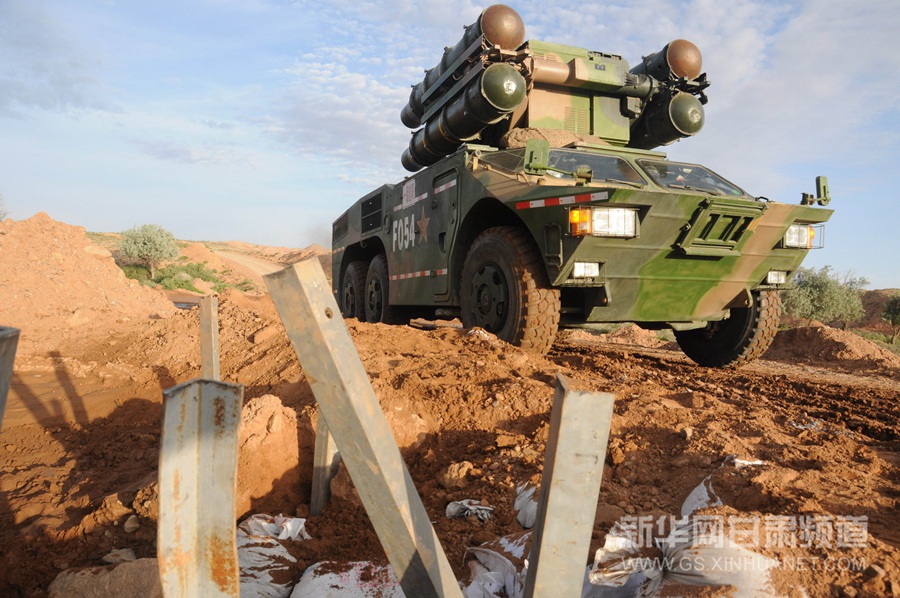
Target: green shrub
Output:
[(891, 314), (824, 296), (149, 245), (135, 272), (180, 275), (173, 282), (191, 271)]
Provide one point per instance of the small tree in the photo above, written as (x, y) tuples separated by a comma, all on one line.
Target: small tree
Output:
[(822, 295), (149, 244), (3, 213), (891, 313)]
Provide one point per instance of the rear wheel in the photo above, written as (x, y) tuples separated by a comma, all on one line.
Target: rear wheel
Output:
[(352, 287), (376, 304), (742, 337), (505, 290)]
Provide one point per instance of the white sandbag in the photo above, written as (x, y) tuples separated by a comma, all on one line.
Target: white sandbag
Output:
[(464, 508), (267, 568), (348, 580), (525, 505)]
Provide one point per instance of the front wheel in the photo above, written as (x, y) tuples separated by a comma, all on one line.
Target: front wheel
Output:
[(505, 290), (742, 337)]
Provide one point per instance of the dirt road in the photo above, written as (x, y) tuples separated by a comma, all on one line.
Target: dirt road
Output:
[(258, 267)]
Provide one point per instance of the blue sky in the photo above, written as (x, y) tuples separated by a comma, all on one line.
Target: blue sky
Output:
[(262, 120)]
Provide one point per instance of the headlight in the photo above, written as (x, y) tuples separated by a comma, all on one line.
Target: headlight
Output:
[(799, 235), (615, 222), (802, 236), (604, 222)]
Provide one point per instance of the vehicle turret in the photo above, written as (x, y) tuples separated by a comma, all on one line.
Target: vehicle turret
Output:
[(492, 81)]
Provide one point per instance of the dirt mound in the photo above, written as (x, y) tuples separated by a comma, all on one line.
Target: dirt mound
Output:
[(54, 282), (282, 255), (627, 335), (269, 476), (633, 335), (829, 346), (301, 254)]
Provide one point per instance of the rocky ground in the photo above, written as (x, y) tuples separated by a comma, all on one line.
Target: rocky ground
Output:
[(80, 438)]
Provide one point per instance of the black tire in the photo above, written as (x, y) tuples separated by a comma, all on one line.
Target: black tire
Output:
[(353, 285), (742, 337), (505, 290), (376, 298)]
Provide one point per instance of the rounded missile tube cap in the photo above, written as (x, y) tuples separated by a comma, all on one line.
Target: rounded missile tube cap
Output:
[(502, 26), (684, 59), (503, 86), (686, 113)]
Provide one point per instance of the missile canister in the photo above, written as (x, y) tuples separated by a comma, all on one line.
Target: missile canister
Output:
[(498, 91), (669, 116), (498, 26), (671, 113), (679, 58)]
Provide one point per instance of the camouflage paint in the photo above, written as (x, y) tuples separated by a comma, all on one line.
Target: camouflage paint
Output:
[(647, 279), (566, 82)]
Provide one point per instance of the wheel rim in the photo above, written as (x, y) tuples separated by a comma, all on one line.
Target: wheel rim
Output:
[(490, 298), (375, 299), (349, 299)]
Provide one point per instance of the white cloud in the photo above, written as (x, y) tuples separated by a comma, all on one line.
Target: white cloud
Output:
[(41, 66), (348, 117), (811, 92), (189, 153)]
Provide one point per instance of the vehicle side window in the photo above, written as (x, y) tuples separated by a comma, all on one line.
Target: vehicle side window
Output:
[(510, 160)]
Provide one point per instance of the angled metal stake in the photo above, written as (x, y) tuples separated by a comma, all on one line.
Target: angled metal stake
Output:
[(196, 542), (570, 488), (325, 466), (9, 341), (331, 364), (209, 337)]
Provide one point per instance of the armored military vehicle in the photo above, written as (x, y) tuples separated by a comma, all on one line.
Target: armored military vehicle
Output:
[(538, 201)]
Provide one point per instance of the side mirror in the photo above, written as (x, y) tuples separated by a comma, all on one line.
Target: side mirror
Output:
[(822, 195)]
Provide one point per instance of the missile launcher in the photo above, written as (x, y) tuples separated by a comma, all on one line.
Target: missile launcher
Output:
[(467, 97), (538, 200)]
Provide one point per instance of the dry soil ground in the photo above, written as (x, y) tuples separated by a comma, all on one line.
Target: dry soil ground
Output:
[(80, 439)]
